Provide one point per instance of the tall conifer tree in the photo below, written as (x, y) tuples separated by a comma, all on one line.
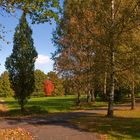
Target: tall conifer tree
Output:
[(20, 64)]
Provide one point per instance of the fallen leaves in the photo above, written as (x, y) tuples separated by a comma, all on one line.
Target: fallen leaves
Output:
[(15, 134)]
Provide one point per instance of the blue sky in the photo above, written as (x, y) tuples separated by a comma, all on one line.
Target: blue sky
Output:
[(42, 35)]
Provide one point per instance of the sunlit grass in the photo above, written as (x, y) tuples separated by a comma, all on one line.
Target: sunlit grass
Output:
[(128, 113), (124, 126), (45, 105)]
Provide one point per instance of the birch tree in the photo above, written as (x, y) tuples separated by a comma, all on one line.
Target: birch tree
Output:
[(106, 28)]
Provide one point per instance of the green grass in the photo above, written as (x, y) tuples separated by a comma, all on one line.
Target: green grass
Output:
[(45, 105), (124, 126), (42, 105)]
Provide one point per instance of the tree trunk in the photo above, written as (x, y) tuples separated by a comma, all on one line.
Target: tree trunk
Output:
[(111, 95), (133, 96), (128, 95), (112, 60), (22, 107), (88, 96), (133, 85), (92, 95), (78, 98), (105, 85)]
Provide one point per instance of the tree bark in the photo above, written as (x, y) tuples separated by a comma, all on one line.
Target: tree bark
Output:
[(112, 60), (133, 85), (105, 85), (92, 95), (22, 107), (88, 96), (78, 98), (133, 96), (111, 95)]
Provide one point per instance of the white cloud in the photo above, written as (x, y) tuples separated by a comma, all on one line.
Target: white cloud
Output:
[(44, 63), (43, 59)]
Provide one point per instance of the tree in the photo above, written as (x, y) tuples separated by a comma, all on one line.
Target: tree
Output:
[(118, 26), (108, 35), (74, 54), (39, 11), (5, 85), (40, 77), (57, 82), (20, 64)]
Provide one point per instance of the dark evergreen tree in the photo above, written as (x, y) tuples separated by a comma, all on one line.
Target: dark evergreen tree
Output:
[(20, 64)]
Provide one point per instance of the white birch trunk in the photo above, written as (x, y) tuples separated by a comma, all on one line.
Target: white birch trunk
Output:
[(111, 95)]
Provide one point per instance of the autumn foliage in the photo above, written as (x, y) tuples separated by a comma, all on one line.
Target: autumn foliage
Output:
[(48, 87)]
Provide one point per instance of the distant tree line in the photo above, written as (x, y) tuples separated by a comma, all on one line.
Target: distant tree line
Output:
[(7, 91), (40, 77)]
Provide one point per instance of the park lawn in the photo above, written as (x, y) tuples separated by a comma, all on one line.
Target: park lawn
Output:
[(124, 126), (43, 105)]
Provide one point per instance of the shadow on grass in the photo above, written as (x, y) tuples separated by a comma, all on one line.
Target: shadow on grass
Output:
[(49, 105), (39, 106), (117, 127), (33, 110)]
